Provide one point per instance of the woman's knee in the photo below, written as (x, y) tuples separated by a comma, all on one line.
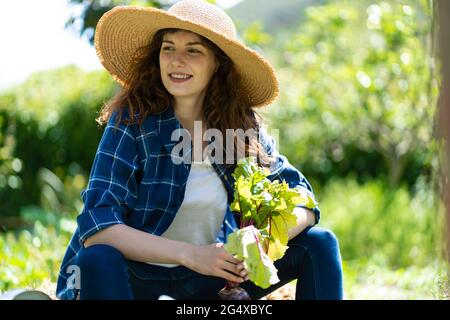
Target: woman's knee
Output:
[(96, 257), (325, 236), (317, 238)]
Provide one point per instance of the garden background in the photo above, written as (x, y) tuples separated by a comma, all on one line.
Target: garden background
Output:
[(356, 114)]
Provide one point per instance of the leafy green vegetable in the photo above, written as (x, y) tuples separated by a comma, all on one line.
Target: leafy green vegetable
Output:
[(246, 245), (266, 209)]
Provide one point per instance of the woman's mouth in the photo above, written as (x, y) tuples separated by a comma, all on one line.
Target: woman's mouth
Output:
[(179, 77)]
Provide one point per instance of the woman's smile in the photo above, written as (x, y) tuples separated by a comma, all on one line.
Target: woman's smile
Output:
[(186, 64), (178, 77)]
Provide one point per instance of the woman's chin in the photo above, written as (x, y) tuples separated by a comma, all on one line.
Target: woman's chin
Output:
[(182, 94)]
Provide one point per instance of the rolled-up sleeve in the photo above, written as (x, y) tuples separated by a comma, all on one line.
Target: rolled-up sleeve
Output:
[(112, 187), (282, 170)]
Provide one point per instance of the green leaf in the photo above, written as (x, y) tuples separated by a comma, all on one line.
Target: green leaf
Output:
[(267, 209), (279, 228), (306, 199), (246, 245)]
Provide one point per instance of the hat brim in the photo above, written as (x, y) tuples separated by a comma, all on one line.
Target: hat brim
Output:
[(124, 29)]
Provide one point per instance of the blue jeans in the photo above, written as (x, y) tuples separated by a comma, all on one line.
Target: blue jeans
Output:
[(313, 258)]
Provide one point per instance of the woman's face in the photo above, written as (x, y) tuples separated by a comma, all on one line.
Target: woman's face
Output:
[(186, 63)]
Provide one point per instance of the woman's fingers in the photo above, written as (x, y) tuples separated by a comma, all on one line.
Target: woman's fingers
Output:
[(242, 271), (232, 259), (230, 276), (237, 269), (226, 255), (231, 268), (240, 268)]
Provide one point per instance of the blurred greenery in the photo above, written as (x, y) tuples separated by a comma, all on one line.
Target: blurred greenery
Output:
[(274, 16), (50, 137), (356, 115), (366, 98), (32, 256), (392, 227)]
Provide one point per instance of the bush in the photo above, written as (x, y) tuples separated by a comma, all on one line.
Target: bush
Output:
[(32, 256), (376, 223), (48, 123), (358, 92)]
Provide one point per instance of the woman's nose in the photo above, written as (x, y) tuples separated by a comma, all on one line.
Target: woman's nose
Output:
[(178, 60)]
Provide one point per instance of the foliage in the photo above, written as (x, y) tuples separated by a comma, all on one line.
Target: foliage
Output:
[(246, 245), (50, 137), (33, 256), (387, 226), (274, 16), (266, 213), (360, 85), (365, 280)]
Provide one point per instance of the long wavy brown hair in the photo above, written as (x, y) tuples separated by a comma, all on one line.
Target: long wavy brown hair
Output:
[(225, 105)]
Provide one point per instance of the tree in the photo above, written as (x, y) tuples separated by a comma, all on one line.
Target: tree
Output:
[(443, 36), (49, 137), (368, 92)]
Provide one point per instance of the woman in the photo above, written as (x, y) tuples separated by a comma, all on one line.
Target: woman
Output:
[(152, 225)]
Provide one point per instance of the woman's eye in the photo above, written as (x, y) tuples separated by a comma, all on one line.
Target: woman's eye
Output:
[(170, 49)]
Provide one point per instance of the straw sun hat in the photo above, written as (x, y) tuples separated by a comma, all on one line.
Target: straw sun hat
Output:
[(124, 29)]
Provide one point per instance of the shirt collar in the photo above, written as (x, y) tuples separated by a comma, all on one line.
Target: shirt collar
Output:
[(167, 123)]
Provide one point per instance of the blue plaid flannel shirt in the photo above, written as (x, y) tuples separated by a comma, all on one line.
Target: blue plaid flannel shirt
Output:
[(133, 181)]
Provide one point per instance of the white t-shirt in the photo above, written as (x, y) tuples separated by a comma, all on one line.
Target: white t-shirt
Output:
[(201, 214)]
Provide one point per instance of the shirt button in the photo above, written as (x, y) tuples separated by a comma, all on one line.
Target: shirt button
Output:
[(226, 178)]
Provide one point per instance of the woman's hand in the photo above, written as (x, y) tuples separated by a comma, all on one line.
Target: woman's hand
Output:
[(214, 260)]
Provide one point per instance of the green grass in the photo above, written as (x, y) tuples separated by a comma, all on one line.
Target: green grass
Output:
[(370, 281), (390, 227), (29, 258)]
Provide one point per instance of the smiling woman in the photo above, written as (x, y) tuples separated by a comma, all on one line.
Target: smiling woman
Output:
[(185, 59), (151, 226)]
